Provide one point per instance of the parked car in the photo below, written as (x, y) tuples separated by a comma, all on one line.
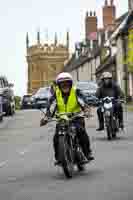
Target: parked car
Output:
[(89, 89), (7, 94), (1, 109), (41, 98), (26, 102)]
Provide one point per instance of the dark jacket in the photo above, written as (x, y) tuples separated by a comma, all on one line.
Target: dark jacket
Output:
[(112, 90), (52, 107)]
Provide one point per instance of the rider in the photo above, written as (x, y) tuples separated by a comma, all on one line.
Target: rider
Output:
[(109, 87), (68, 99)]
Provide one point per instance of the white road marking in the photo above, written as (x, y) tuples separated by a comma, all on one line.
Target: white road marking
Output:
[(2, 164), (12, 179), (23, 152), (20, 153)]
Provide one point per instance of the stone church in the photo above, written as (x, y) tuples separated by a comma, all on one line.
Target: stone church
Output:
[(45, 61)]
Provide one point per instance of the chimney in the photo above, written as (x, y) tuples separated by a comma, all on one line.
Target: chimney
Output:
[(106, 2), (109, 14), (90, 24), (27, 40), (130, 5), (111, 2)]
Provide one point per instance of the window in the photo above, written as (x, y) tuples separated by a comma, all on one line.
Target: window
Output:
[(1, 83), (53, 66), (5, 82)]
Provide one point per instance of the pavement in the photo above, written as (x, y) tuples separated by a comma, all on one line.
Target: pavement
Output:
[(27, 170)]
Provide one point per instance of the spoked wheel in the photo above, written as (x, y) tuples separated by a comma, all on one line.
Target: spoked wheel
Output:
[(65, 157), (109, 127), (79, 159), (115, 128), (109, 132)]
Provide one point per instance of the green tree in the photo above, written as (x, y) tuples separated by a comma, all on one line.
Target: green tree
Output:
[(17, 102), (130, 51)]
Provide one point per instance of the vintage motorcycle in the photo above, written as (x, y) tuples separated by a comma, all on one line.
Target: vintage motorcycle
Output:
[(111, 120), (69, 150)]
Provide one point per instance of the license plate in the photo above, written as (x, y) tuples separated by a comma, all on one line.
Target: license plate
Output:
[(107, 113)]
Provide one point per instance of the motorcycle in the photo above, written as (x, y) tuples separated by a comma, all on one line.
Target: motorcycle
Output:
[(69, 150), (111, 120)]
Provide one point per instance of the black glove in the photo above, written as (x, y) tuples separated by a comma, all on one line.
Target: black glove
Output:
[(43, 121), (87, 112)]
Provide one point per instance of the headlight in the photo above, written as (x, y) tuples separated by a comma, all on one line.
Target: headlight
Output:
[(107, 113)]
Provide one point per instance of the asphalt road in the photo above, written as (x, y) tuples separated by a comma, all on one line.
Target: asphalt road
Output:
[(27, 171)]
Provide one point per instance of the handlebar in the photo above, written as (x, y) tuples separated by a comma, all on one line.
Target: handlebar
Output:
[(67, 116), (113, 99)]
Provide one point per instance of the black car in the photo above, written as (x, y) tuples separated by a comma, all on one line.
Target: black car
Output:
[(1, 109), (7, 93), (89, 89), (26, 102), (41, 98)]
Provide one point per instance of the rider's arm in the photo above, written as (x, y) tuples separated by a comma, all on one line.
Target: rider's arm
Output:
[(119, 92), (98, 93), (81, 98), (51, 109)]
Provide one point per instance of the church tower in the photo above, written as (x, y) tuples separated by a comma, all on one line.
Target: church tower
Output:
[(45, 61)]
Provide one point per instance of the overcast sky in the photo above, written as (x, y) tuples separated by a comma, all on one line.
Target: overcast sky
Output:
[(19, 17)]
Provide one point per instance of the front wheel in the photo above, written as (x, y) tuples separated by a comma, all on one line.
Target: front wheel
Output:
[(108, 127), (65, 156), (109, 132), (79, 158)]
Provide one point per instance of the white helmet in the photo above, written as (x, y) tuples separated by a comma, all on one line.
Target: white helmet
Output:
[(106, 75), (64, 76)]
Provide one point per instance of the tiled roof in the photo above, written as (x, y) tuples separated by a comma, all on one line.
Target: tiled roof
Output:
[(120, 19), (77, 62), (120, 28), (74, 62), (109, 60)]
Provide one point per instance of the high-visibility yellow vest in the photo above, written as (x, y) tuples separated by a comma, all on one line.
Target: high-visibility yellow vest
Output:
[(71, 106)]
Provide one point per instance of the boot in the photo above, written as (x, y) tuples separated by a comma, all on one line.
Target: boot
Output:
[(101, 128), (121, 125), (90, 156), (57, 162), (100, 120)]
